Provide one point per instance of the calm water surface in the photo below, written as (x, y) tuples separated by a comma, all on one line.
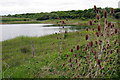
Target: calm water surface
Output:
[(9, 31)]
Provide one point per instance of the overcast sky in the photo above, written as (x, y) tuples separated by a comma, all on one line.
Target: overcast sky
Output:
[(34, 6)]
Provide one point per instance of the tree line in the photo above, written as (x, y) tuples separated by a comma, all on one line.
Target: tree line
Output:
[(72, 14)]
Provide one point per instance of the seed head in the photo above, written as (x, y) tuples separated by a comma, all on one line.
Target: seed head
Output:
[(71, 50), (98, 62), (76, 60), (117, 50), (86, 37), (78, 47), (95, 8), (91, 44), (70, 60), (90, 22), (67, 55), (99, 28), (70, 65), (97, 34), (111, 11), (98, 16), (105, 13), (116, 31), (86, 28), (93, 29)]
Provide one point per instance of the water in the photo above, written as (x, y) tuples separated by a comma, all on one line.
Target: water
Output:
[(9, 31)]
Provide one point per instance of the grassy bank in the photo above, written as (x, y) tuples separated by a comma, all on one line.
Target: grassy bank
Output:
[(49, 57)]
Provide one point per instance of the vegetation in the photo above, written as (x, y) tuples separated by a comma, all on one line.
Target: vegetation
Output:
[(90, 53), (56, 15)]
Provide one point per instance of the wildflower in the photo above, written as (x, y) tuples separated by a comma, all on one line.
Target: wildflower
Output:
[(91, 44), (98, 62), (65, 31), (116, 30), (106, 22), (78, 47), (98, 16), (97, 34), (76, 60), (93, 29), (63, 65), (86, 37), (95, 8), (96, 42), (70, 60), (67, 55), (86, 28), (70, 65), (98, 27), (71, 50), (111, 11), (109, 24), (75, 55), (105, 13), (117, 50), (90, 22), (115, 41)]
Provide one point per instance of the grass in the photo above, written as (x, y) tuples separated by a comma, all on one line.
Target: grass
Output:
[(88, 53), (47, 62)]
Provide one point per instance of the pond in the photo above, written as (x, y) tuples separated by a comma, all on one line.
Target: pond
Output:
[(9, 31)]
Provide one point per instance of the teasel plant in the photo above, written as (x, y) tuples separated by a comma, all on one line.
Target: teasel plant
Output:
[(98, 53), (62, 36)]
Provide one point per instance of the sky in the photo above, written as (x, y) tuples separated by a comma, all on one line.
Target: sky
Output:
[(37, 6)]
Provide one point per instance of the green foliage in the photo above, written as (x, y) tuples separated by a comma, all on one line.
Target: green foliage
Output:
[(72, 14)]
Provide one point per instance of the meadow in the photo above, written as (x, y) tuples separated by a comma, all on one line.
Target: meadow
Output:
[(92, 52)]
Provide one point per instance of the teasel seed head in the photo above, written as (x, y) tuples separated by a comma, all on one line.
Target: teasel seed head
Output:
[(106, 22), (71, 65), (95, 8), (109, 24), (67, 55), (86, 37), (90, 22), (116, 31), (99, 28), (117, 51), (86, 28), (91, 44), (115, 41), (71, 50), (93, 29), (97, 34), (78, 47), (75, 55), (105, 14), (96, 42), (98, 61), (63, 65), (98, 16), (76, 60), (70, 60), (111, 11)]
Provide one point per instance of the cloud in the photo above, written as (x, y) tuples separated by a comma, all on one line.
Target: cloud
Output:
[(33, 6)]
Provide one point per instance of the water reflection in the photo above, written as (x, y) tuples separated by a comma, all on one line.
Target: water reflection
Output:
[(14, 30)]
